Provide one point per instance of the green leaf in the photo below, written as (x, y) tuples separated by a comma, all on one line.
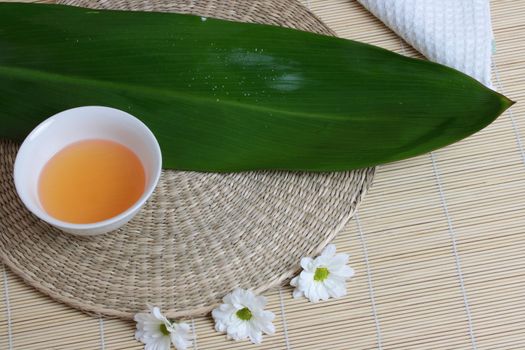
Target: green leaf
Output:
[(225, 96)]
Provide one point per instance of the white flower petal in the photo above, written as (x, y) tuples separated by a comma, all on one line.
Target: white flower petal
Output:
[(179, 342), (321, 291), (182, 327), (238, 331), (344, 272), (269, 329), (320, 261), (152, 329), (139, 334), (247, 299), (311, 292), (259, 303), (266, 316), (294, 280), (162, 343), (328, 251), (306, 276), (220, 326), (338, 261), (155, 311), (227, 299), (234, 297), (181, 337), (335, 288), (222, 315), (235, 321), (226, 309), (263, 321), (305, 279), (297, 293), (142, 317), (254, 334), (306, 263)]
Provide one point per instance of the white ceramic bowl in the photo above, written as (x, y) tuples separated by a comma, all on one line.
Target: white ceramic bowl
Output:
[(72, 125)]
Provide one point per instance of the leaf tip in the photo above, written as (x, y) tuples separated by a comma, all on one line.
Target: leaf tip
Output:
[(507, 103)]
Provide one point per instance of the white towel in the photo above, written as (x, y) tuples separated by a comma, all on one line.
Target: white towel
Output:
[(456, 33)]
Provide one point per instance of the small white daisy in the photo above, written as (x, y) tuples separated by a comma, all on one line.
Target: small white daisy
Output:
[(242, 316), (323, 277), (157, 332)]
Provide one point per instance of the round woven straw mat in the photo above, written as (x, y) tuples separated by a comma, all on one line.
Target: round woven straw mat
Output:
[(201, 234)]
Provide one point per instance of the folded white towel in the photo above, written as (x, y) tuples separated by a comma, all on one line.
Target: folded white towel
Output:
[(456, 33)]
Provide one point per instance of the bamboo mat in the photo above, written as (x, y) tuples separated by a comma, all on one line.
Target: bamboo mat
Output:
[(438, 244)]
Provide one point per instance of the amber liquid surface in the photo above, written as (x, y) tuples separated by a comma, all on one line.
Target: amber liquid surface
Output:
[(90, 181)]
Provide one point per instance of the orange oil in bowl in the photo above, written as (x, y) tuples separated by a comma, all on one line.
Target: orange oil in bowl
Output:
[(91, 181)]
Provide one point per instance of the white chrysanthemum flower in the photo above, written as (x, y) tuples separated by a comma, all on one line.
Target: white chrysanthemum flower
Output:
[(157, 332), (243, 316), (323, 277)]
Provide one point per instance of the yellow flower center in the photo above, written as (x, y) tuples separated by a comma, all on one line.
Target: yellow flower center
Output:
[(164, 329), (321, 273), (244, 314)]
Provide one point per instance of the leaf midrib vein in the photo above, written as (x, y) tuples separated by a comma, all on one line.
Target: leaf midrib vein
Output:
[(34, 74)]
